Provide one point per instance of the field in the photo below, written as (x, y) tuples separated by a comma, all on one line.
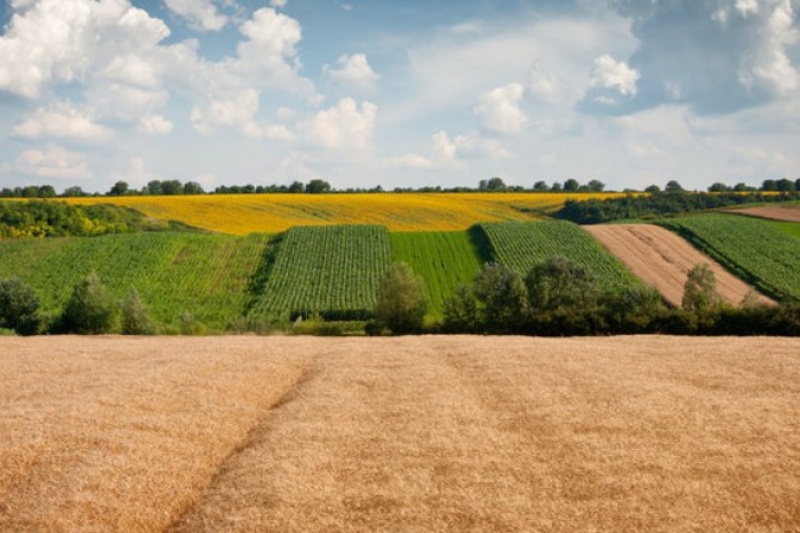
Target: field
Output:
[(788, 212), (521, 246), (639, 434), (442, 259), (327, 269), (663, 259), (273, 213), (754, 249), (207, 275)]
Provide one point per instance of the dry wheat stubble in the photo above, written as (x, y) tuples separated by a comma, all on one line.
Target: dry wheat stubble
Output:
[(406, 434)]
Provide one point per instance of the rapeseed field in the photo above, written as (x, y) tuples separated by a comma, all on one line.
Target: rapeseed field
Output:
[(273, 213)]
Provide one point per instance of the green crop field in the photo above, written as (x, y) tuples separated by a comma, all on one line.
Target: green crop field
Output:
[(444, 259), (757, 250), (791, 228), (332, 270), (522, 245), (206, 275)]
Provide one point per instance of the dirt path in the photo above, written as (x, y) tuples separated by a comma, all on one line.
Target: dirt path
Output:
[(400, 434), (663, 259), (788, 213)]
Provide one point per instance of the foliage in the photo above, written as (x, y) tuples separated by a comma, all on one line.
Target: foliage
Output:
[(754, 249), (401, 301), (522, 246), (333, 271), (173, 272), (700, 292), (136, 318), (502, 297), (656, 205), (91, 309), (19, 307), (561, 283), (461, 311), (444, 259)]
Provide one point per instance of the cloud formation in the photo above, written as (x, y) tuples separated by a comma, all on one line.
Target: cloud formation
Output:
[(499, 110)]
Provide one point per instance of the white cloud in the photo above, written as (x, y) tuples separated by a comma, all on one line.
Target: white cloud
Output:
[(768, 65), (155, 124), (410, 161), (61, 40), (346, 125), (353, 69), (746, 7), (609, 73), (53, 162), (235, 113), (544, 85), (137, 175), (62, 121), (277, 3), (499, 110), (201, 15), (450, 151), (276, 132)]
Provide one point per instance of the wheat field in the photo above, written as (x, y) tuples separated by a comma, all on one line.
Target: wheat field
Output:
[(272, 213), (650, 433)]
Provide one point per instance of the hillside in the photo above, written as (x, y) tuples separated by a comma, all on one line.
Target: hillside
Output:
[(273, 213)]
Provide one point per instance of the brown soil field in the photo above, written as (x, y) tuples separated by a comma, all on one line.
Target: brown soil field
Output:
[(789, 213), (663, 259), (460, 433)]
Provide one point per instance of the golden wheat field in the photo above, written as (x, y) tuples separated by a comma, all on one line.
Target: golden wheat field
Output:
[(229, 434), (271, 213)]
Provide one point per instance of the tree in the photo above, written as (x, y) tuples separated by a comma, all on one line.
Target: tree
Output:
[(503, 298), (699, 292), (73, 192), (46, 191), (192, 187), (571, 185), (318, 186), (785, 185), (402, 301), (135, 316), (120, 188), (718, 187), (461, 311), (91, 309), (154, 187), (559, 283), (596, 186), (769, 185), (171, 187), (492, 185), (556, 187), (541, 186), (673, 186), (19, 307), (296, 187), (653, 189)]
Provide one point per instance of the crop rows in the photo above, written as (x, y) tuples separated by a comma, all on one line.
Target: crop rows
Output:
[(522, 245), (205, 275), (442, 259), (331, 270), (756, 250)]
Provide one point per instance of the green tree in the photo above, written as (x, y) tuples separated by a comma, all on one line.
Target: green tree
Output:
[(559, 283), (192, 187), (673, 186), (571, 185), (120, 188), (402, 301), (19, 307), (492, 185), (541, 186), (700, 291), (318, 186), (461, 311), (135, 316), (502, 296), (91, 309)]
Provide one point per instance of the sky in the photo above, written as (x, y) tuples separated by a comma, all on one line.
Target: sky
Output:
[(364, 93)]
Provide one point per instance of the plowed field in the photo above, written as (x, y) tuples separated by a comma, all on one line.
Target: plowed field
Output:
[(661, 258), (399, 434), (789, 213)]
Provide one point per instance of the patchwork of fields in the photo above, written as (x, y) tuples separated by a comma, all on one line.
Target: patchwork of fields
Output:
[(457, 433)]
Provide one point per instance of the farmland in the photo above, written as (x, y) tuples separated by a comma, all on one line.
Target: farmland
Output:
[(175, 273), (442, 259), (759, 252), (406, 434), (521, 246), (273, 213), (331, 270)]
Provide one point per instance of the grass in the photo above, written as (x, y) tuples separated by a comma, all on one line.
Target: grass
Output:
[(791, 228), (477, 434), (206, 275), (442, 259), (274, 213)]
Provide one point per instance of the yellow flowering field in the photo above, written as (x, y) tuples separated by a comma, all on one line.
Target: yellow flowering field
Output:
[(271, 213)]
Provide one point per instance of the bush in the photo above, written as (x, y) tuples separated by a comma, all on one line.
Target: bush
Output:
[(135, 316), (402, 302), (700, 292), (503, 298), (91, 309), (19, 307), (461, 312)]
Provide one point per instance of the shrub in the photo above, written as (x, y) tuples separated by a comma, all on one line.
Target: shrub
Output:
[(91, 309), (559, 283), (503, 298), (135, 316), (699, 293), (461, 312), (19, 307), (402, 301)]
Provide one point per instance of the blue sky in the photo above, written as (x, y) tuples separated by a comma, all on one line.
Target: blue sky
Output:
[(398, 94)]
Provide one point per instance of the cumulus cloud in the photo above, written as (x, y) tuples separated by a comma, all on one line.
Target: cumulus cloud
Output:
[(277, 3), (447, 150), (61, 40), (53, 162), (499, 110), (733, 54), (544, 85), (353, 70), (609, 73), (410, 161), (155, 125), (201, 15), (236, 113), (62, 121), (346, 125)]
